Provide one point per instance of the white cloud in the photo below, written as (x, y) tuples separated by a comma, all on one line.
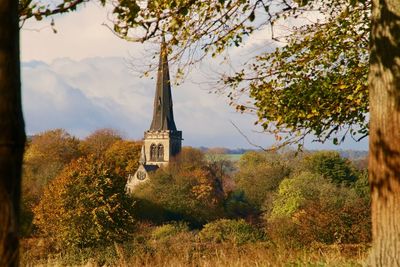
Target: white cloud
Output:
[(79, 35), (101, 92), (49, 102)]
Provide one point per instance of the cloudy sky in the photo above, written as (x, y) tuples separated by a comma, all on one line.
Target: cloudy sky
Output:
[(81, 79)]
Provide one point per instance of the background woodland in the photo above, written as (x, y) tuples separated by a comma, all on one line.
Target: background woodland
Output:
[(75, 208)]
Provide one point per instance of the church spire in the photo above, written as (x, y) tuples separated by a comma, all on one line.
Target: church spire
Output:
[(162, 141), (163, 117)]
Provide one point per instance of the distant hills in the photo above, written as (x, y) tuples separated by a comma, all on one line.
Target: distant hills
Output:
[(350, 154)]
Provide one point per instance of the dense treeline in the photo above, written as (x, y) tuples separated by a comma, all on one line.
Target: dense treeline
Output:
[(75, 205), (51, 154)]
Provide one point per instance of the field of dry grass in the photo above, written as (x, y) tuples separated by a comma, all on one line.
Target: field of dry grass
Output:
[(182, 250)]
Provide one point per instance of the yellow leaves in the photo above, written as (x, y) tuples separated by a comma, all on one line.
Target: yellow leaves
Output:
[(125, 155), (202, 191), (99, 141), (309, 115), (197, 174), (298, 215), (278, 137), (81, 205), (358, 88), (203, 187)]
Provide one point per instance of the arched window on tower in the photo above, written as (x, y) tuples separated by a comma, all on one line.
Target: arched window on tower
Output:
[(160, 152), (153, 152)]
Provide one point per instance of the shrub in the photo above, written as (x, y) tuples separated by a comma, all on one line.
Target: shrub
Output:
[(237, 206), (259, 175), (310, 208), (330, 165), (169, 230), (234, 231), (85, 206)]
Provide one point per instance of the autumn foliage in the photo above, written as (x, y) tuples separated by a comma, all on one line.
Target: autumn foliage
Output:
[(85, 206), (124, 154), (51, 154), (185, 190), (46, 155), (309, 208), (75, 203)]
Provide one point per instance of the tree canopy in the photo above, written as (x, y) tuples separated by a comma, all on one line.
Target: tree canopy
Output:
[(259, 175), (85, 206), (330, 165), (309, 208), (184, 190), (315, 84), (99, 141), (39, 9)]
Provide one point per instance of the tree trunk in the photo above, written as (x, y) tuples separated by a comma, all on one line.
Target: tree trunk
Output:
[(12, 134), (384, 142)]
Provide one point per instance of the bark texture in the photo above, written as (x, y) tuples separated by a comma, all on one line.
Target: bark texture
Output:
[(384, 143), (12, 133)]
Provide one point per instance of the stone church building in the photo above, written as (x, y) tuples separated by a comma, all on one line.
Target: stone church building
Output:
[(162, 141)]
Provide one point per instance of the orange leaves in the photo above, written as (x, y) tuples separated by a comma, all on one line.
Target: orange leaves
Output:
[(54, 145), (203, 189), (85, 205), (55, 153), (125, 155), (99, 141), (185, 190)]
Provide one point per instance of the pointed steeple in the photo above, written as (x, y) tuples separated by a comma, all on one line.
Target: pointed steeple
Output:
[(163, 116)]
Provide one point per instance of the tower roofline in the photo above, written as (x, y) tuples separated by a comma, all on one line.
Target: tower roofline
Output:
[(163, 116)]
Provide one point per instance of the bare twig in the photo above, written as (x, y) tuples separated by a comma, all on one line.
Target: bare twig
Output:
[(246, 137)]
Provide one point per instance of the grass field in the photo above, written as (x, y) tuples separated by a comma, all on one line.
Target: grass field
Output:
[(233, 157), (181, 250)]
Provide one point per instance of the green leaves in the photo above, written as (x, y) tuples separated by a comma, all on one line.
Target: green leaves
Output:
[(316, 84), (237, 232), (252, 16), (259, 174), (40, 9), (189, 25)]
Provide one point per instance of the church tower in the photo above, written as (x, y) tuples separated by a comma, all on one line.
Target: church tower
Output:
[(162, 141)]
